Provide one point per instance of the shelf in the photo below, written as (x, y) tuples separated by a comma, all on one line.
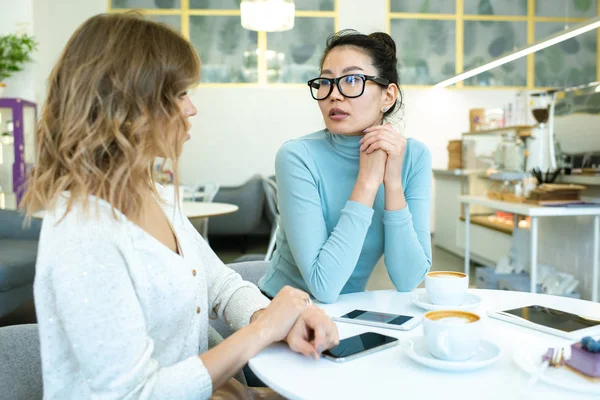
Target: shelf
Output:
[(483, 220), (529, 209), (592, 180), (522, 130)]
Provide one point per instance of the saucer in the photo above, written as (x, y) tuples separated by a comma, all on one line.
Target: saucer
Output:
[(486, 354), (529, 359), (420, 298)]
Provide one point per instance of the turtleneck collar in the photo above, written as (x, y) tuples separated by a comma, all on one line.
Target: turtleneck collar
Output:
[(344, 144)]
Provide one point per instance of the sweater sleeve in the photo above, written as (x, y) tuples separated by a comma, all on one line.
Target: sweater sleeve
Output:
[(229, 295), (407, 243), (97, 308), (326, 261)]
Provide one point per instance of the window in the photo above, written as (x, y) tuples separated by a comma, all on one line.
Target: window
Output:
[(437, 39), (231, 54)]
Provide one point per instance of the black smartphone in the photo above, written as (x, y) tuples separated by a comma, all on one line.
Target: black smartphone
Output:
[(359, 345), (380, 320)]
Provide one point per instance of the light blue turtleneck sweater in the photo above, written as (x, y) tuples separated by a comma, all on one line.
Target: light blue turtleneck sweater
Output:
[(328, 245)]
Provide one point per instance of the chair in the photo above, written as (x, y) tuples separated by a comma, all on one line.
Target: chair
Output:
[(18, 253), (250, 219), (270, 187), (272, 211), (208, 192), (21, 366)]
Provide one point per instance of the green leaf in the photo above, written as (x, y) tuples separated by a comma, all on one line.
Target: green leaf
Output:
[(555, 59), (424, 8), (229, 35), (470, 34), (438, 37), (524, 7), (582, 5), (589, 43), (326, 5), (485, 8), (449, 69), (574, 77), (508, 67), (119, 3), (15, 51), (589, 73), (498, 46), (570, 46), (541, 73)]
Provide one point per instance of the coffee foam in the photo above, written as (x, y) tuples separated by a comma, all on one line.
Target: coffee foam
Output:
[(455, 320), (453, 317), (446, 275)]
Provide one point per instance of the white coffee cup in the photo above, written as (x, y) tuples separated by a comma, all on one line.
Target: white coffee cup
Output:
[(452, 335), (446, 288)]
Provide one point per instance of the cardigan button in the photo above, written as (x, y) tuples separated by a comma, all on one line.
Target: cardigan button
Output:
[(198, 310), (193, 272)]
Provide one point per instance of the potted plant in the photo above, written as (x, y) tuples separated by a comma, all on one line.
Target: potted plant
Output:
[(15, 51)]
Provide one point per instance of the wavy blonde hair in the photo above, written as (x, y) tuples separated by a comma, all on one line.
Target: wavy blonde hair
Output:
[(112, 107)]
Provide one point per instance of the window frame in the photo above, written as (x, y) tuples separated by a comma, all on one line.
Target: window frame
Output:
[(459, 17), (185, 13)]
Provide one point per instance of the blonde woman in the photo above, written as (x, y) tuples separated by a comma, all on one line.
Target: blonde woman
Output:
[(124, 285)]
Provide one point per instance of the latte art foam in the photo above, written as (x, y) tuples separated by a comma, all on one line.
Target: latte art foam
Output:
[(455, 320)]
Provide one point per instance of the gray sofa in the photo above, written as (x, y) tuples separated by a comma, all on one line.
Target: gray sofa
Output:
[(18, 253), (252, 218)]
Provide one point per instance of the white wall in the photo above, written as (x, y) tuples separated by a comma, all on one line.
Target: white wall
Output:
[(54, 23), (17, 17)]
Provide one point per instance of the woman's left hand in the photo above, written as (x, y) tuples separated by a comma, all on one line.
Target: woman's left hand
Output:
[(313, 332), (386, 138)]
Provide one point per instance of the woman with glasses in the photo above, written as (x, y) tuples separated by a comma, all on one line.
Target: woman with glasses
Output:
[(124, 284), (356, 190)]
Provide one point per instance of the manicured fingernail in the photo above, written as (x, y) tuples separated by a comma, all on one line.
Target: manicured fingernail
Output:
[(320, 348), (315, 356), (362, 148)]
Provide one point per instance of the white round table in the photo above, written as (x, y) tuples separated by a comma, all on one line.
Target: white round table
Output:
[(193, 209), (198, 209), (391, 373)]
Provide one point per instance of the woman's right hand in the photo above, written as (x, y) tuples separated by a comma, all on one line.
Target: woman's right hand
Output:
[(372, 168), (278, 318)]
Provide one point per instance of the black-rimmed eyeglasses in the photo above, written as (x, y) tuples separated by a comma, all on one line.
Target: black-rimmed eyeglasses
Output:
[(350, 86)]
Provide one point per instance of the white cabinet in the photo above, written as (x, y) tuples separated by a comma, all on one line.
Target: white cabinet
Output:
[(487, 245)]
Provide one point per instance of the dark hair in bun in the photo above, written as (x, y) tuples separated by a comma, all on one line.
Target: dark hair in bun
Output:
[(379, 46)]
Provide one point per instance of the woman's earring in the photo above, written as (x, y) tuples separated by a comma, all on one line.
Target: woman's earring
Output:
[(384, 109)]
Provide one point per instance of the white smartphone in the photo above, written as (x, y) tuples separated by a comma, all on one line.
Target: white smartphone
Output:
[(358, 346), (380, 320), (549, 320)]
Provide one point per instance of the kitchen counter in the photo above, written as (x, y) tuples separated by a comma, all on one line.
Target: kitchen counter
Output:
[(591, 180), (457, 172)]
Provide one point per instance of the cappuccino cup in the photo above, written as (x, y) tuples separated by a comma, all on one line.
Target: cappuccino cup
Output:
[(452, 335), (446, 288)]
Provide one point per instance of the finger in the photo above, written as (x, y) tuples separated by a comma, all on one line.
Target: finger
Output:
[(332, 334), (371, 128), (383, 145), (302, 346), (320, 331), (391, 136), (379, 135), (370, 135), (298, 342)]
